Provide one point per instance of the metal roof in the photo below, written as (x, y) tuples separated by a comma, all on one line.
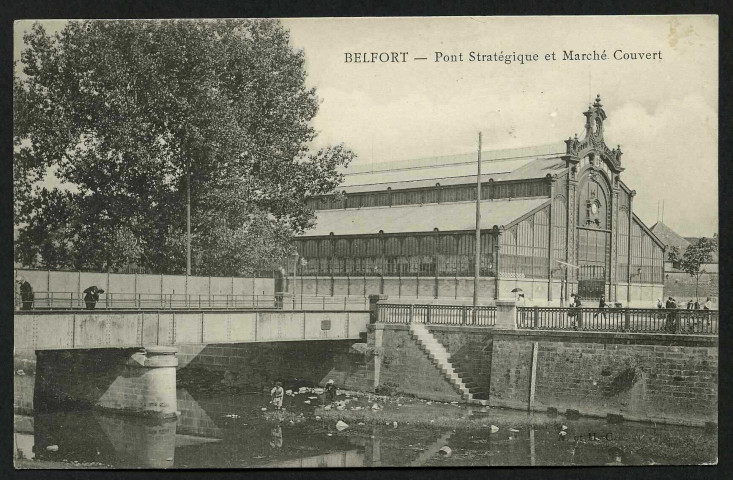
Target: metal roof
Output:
[(455, 216), (535, 162)]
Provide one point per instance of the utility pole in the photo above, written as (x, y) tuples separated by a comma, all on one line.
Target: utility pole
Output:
[(477, 248), (188, 218)]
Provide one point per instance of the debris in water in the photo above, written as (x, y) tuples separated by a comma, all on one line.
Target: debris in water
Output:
[(318, 417), (340, 407), (432, 421), (358, 408), (231, 415), (511, 438), (564, 427), (514, 430), (329, 434), (429, 403), (375, 407), (53, 448), (288, 392), (264, 409), (312, 398), (394, 424), (399, 404), (563, 433), (20, 373), (494, 429), (308, 402), (445, 451), (360, 423), (327, 407), (341, 426), (318, 390)]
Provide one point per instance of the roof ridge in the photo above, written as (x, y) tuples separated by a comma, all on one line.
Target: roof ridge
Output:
[(497, 155)]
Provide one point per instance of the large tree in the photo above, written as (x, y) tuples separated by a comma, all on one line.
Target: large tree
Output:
[(124, 112), (694, 259)]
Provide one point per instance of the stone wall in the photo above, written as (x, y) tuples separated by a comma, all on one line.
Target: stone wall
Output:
[(257, 366), (407, 369), (664, 378), (470, 350)]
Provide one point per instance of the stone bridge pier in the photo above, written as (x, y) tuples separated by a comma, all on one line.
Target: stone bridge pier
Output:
[(137, 381)]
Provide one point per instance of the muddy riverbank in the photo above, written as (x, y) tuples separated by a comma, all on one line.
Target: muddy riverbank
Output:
[(225, 429)]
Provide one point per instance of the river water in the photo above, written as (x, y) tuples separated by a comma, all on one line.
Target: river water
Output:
[(231, 430)]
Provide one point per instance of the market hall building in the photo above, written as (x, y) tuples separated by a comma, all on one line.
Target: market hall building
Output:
[(555, 220)]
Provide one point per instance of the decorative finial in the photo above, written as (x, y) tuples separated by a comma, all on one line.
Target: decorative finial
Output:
[(598, 101)]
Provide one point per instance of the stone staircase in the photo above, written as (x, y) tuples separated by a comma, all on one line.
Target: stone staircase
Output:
[(441, 359)]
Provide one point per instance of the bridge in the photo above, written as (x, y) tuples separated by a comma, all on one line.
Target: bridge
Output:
[(85, 329), (125, 359)]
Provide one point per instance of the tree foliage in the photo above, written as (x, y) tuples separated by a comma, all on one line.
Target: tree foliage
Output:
[(122, 111), (695, 257)]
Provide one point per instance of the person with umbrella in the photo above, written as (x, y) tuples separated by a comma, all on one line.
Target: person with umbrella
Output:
[(26, 294), (521, 302), (91, 296)]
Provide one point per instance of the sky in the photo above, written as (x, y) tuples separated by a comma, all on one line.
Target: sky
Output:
[(662, 112)]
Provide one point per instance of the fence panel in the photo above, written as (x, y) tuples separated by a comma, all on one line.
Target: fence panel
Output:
[(619, 320), (437, 314)]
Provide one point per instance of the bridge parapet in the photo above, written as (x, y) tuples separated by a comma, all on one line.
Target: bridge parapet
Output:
[(53, 330)]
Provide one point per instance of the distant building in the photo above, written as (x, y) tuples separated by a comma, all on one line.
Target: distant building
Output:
[(555, 219), (678, 283)]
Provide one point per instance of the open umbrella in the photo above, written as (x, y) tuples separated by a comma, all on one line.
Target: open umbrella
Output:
[(517, 290)]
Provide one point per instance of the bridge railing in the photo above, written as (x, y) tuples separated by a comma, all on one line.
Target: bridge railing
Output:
[(482, 315), (641, 320), (308, 302), (122, 301)]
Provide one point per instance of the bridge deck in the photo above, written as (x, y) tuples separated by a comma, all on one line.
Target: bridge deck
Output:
[(82, 329)]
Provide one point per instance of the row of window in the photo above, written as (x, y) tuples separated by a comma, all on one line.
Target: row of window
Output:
[(437, 194), (443, 265), (389, 245)]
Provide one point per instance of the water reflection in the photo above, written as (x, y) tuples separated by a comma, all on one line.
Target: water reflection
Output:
[(232, 431)]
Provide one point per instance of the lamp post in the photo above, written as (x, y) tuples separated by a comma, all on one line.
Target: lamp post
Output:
[(563, 283), (628, 290)]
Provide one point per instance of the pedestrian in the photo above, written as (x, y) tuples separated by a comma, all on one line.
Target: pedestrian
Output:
[(329, 393), (690, 305), (671, 305), (708, 305), (26, 294), (277, 393), (601, 308), (660, 305), (576, 312), (91, 296)]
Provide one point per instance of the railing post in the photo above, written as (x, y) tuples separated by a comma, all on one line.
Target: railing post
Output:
[(464, 314), (412, 312), (71, 300), (427, 316), (536, 319), (627, 320)]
